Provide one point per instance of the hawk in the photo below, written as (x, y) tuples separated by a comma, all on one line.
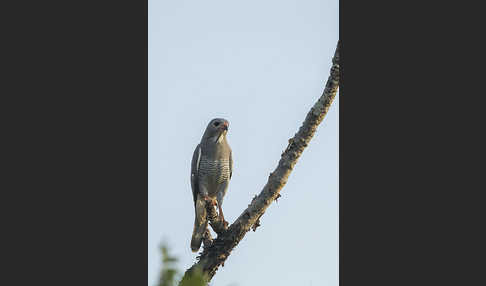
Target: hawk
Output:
[(211, 171)]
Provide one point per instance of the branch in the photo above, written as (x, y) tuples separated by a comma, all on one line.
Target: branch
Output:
[(216, 222), (218, 251)]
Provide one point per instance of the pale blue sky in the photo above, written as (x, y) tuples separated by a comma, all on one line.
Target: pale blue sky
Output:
[(261, 65)]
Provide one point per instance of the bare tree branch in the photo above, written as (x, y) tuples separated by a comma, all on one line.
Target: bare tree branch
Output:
[(216, 222), (218, 251)]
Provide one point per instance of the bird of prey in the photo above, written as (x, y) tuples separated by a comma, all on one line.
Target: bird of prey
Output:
[(211, 170)]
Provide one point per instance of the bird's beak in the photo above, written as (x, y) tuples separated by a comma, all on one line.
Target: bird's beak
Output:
[(224, 129)]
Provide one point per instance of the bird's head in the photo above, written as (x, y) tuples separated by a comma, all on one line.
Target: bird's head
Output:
[(216, 130)]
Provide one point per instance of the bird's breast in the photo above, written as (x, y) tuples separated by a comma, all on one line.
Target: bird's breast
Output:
[(214, 171)]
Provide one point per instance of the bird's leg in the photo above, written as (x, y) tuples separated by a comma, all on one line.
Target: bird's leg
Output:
[(221, 212), (225, 223)]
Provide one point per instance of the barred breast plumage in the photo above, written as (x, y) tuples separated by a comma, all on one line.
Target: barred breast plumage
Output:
[(214, 171)]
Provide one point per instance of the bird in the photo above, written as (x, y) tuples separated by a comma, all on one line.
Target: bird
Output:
[(211, 171)]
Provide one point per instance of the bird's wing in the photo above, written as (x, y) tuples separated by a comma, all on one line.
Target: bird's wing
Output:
[(231, 164), (196, 159)]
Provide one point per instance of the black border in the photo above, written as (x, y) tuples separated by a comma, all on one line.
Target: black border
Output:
[(408, 205), (79, 128)]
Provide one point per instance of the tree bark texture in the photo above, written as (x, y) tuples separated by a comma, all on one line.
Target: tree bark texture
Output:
[(217, 251)]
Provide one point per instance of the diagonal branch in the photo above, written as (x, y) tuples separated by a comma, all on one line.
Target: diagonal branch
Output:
[(218, 251), (216, 222)]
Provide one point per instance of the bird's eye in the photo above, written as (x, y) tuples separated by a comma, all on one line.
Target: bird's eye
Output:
[(216, 124)]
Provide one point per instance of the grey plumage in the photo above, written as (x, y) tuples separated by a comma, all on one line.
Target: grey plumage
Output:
[(211, 170)]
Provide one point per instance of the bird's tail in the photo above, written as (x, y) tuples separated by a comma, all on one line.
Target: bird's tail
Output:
[(200, 225)]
